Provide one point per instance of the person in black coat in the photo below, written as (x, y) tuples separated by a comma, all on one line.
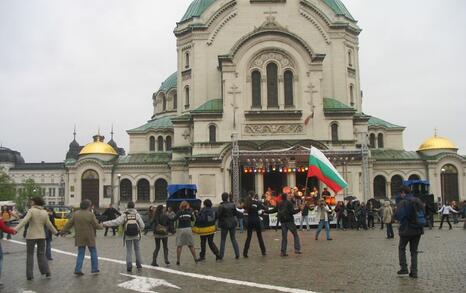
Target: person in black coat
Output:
[(110, 214), (160, 223), (253, 207), (286, 211), (227, 214)]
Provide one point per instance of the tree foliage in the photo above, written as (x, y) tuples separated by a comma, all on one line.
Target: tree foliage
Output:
[(7, 187), (29, 190)]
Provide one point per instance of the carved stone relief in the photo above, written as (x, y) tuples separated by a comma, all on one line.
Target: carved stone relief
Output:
[(272, 129)]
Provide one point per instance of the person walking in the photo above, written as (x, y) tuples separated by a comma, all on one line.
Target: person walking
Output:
[(227, 214), (85, 225), (322, 211), (371, 214), (445, 211), (305, 217), (150, 221), (38, 219), (388, 219), (205, 227), (49, 234), (133, 225), (161, 224), (252, 208), (4, 229), (361, 215), (340, 211), (410, 213), (350, 214), (184, 234), (285, 215), (110, 214)]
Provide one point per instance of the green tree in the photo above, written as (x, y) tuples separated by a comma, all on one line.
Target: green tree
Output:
[(29, 190), (7, 187)]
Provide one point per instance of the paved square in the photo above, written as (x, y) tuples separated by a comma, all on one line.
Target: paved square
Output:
[(355, 261)]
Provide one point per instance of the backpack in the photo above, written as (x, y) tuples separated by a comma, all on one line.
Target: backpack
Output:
[(131, 225), (419, 220)]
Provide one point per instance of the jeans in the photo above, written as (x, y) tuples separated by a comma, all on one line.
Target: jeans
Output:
[(213, 247), (292, 228), (129, 253), (80, 259), (370, 221), (448, 221), (41, 260), (232, 232), (241, 224), (327, 229), (413, 244), (390, 233), (305, 219), (48, 248), (157, 249)]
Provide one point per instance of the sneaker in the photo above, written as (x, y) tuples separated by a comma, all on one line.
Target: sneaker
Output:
[(167, 262), (95, 272), (402, 273), (298, 252), (79, 274), (177, 263), (48, 275), (200, 259), (283, 254), (154, 264), (413, 275), (139, 270), (218, 258), (129, 270), (329, 239)]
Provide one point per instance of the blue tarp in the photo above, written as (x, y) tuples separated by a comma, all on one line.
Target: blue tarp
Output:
[(172, 188), (413, 182)]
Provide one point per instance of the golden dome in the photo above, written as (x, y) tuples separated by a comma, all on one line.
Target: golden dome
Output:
[(437, 143), (98, 147)]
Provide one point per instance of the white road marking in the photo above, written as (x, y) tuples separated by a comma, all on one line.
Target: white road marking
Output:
[(144, 284), (192, 275)]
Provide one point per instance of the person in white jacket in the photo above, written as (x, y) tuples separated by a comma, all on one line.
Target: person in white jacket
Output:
[(322, 212), (132, 227), (446, 210)]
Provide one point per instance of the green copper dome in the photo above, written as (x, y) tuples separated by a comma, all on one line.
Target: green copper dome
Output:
[(169, 83), (196, 9)]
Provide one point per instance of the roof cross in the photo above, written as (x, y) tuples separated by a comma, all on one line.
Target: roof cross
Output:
[(234, 91)]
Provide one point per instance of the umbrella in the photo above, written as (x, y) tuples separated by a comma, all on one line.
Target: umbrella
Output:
[(350, 197)]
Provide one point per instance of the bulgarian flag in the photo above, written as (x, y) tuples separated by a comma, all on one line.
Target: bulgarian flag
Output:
[(320, 167)]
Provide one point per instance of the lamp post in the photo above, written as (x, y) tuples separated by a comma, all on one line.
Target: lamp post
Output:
[(119, 190), (442, 183)]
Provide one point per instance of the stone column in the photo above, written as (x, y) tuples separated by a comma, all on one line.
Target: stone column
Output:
[(151, 192), (135, 192), (259, 183), (281, 93)]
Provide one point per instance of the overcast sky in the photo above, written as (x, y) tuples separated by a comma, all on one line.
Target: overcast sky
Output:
[(94, 63)]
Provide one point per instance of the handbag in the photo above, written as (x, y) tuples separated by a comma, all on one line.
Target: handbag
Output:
[(161, 230)]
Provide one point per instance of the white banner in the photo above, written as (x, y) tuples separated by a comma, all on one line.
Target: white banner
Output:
[(313, 219)]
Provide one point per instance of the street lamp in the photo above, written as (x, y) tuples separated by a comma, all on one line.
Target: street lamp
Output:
[(119, 190), (442, 183)]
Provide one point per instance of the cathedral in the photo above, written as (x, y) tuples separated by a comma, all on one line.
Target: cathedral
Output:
[(257, 83)]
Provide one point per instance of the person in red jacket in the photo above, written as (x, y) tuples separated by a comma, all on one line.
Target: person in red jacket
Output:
[(6, 229)]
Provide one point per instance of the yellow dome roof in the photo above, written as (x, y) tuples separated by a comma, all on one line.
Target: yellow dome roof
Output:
[(437, 143), (98, 147)]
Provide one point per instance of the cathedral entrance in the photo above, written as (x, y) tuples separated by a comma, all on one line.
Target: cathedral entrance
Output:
[(247, 183), (90, 187), (275, 180)]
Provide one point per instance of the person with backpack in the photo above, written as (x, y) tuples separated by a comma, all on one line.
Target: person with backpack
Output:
[(132, 226), (205, 228), (161, 225), (227, 214), (85, 225), (411, 215), (446, 210), (285, 213)]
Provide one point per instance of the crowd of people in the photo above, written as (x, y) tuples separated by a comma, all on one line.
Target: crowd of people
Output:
[(251, 214)]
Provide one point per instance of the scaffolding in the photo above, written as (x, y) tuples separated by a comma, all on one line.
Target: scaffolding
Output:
[(235, 165)]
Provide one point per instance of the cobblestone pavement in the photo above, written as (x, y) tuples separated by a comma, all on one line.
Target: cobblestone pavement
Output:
[(355, 261)]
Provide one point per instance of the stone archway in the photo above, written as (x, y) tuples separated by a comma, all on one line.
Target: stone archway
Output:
[(380, 187), (449, 183), (90, 187), (161, 190)]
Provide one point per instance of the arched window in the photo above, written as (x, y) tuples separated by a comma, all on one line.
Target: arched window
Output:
[(414, 177), (351, 90), (372, 141), (212, 134), (168, 143), (186, 56), (126, 190), (256, 88), (395, 185), (350, 59), (186, 97), (164, 103), (380, 143), (272, 85), (288, 77), (175, 101), (334, 129), (143, 190), (380, 190), (152, 144), (161, 190), (160, 144)]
